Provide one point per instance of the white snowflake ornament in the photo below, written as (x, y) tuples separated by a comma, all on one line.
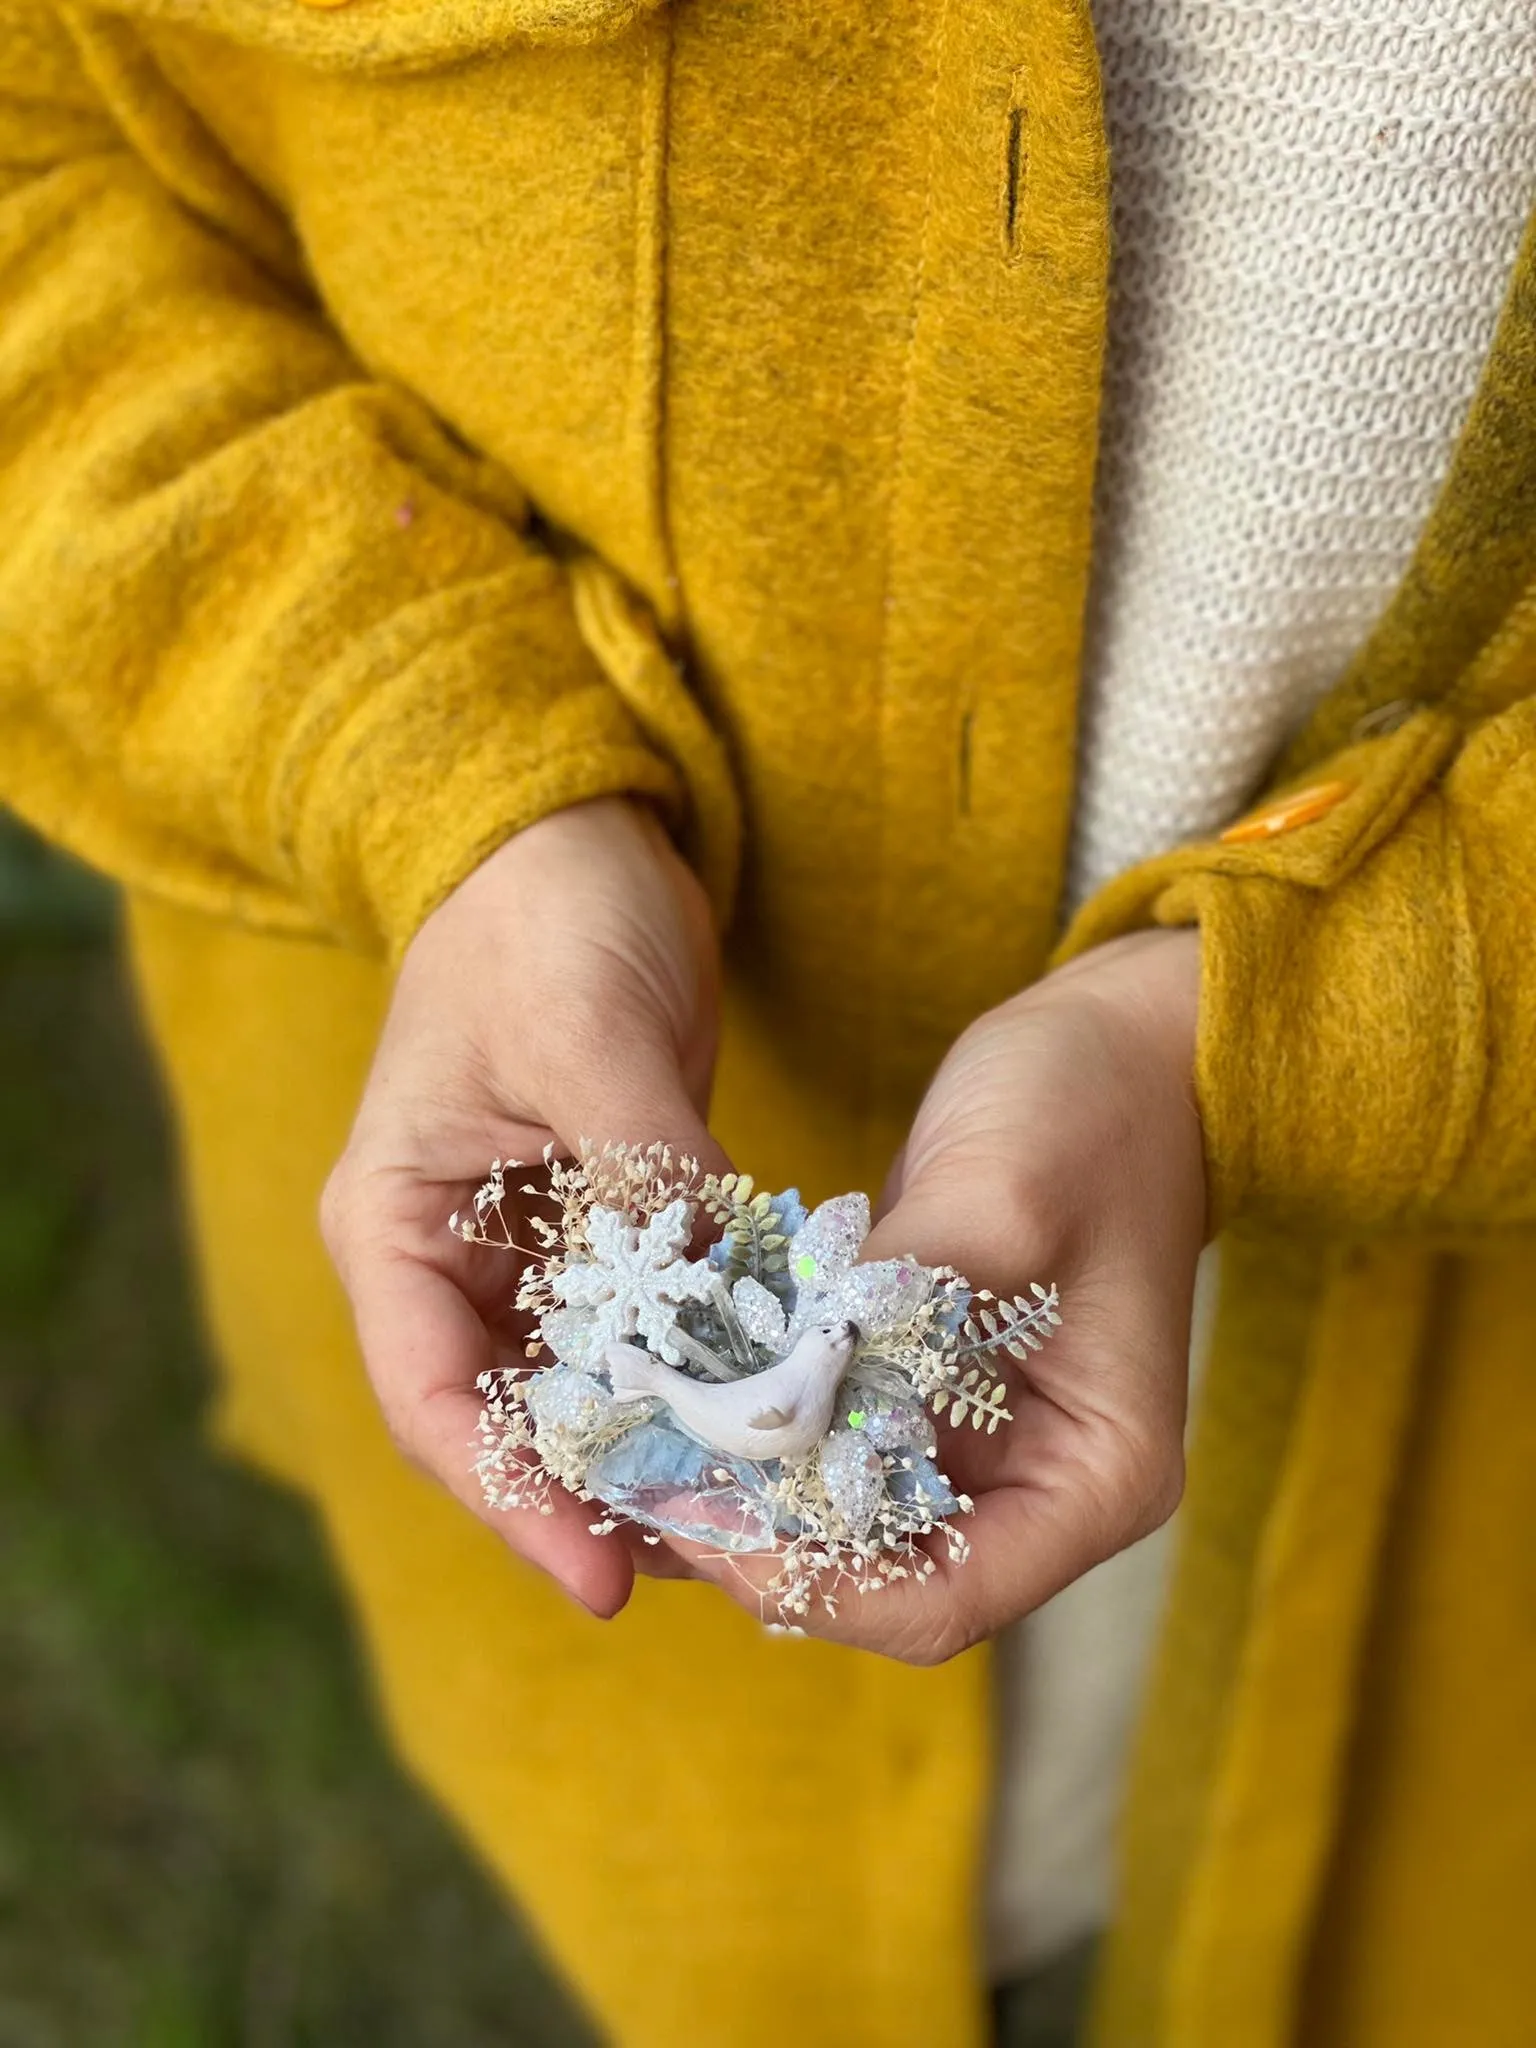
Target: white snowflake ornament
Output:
[(636, 1279)]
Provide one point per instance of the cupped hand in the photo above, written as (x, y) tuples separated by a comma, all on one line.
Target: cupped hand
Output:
[(1059, 1141), (566, 989)]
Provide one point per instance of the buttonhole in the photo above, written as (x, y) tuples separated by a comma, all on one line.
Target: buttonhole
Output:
[(963, 763), (1015, 172)]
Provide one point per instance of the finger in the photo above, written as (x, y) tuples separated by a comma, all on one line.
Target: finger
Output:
[(1024, 1546), (424, 1348), (366, 1206), (652, 1556)]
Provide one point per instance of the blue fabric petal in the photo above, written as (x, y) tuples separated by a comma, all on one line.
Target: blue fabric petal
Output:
[(954, 1314), (925, 1486)]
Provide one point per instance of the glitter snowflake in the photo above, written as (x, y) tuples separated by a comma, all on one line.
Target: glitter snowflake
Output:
[(636, 1279)]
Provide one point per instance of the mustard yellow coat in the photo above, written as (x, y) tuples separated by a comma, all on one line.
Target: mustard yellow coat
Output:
[(786, 316)]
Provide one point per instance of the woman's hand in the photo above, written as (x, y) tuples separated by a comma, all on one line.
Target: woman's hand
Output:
[(566, 989), (1059, 1141)]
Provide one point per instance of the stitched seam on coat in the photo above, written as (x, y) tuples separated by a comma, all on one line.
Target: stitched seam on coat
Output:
[(878, 1005), (648, 342)]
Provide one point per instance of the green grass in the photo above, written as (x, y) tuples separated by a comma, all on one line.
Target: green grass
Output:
[(202, 1838)]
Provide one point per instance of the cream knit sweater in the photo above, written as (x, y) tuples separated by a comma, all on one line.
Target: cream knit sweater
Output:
[(1317, 204)]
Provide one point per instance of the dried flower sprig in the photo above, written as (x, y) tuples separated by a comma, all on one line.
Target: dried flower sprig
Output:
[(749, 1226)]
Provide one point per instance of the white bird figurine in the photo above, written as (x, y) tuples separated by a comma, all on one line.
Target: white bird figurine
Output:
[(780, 1413)]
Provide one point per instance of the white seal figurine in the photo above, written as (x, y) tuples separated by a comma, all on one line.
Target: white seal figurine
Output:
[(780, 1413)]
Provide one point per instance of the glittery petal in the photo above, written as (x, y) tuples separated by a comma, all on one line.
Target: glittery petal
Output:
[(853, 1473), (761, 1315), (564, 1399), (903, 1426), (878, 1297), (832, 1235), (572, 1335)]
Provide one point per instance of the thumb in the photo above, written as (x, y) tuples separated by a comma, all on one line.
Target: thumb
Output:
[(633, 1096), (941, 1216), (890, 1192)]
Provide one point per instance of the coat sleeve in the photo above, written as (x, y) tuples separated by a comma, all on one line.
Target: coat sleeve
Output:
[(271, 641), (1367, 1040)]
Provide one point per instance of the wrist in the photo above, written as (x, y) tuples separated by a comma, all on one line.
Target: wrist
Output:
[(1148, 983), (557, 856)]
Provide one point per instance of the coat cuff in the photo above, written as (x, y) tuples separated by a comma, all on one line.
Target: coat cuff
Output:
[(494, 708), (1339, 1064)]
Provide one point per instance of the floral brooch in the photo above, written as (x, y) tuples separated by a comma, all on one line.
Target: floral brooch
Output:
[(772, 1394)]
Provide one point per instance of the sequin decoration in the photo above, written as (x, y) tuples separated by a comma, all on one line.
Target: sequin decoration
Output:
[(830, 1286), (884, 1295)]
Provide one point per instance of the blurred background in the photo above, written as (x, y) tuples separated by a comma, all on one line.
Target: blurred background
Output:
[(202, 1838)]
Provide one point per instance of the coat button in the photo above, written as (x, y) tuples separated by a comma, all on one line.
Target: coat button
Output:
[(1301, 807)]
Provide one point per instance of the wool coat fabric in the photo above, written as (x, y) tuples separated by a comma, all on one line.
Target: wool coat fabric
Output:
[(418, 415)]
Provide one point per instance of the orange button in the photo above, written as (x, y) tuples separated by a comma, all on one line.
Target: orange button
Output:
[(1301, 807)]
